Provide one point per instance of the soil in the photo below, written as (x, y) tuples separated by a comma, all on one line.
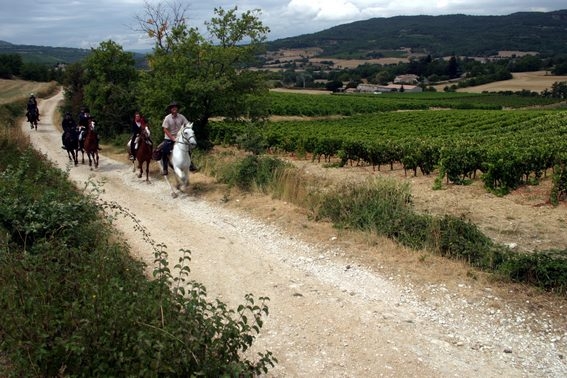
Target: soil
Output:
[(537, 81), (345, 304)]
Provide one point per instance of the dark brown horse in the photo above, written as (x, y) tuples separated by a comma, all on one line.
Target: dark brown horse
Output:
[(91, 146), (71, 143), (33, 117), (144, 153)]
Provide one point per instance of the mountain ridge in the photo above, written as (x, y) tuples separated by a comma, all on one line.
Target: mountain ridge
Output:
[(456, 34)]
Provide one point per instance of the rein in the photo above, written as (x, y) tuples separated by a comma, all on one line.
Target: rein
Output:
[(183, 138)]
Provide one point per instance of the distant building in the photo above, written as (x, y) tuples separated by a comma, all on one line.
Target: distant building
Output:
[(406, 79), (375, 88)]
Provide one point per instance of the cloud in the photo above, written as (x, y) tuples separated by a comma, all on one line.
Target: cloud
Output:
[(323, 10), (86, 23)]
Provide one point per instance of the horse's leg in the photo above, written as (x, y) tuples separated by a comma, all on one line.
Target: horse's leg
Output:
[(181, 176), (140, 168), (147, 170), (173, 194), (79, 148), (95, 155)]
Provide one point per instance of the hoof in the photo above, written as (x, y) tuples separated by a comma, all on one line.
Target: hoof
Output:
[(174, 195)]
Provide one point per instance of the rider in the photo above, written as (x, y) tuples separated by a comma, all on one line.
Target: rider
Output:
[(85, 120), (69, 126), (138, 124), (91, 125), (32, 107), (171, 125), (83, 124)]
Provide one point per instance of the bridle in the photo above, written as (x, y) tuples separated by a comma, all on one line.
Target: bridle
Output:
[(183, 139)]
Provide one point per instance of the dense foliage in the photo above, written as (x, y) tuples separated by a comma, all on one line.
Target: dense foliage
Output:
[(207, 76), (13, 65), (110, 78)]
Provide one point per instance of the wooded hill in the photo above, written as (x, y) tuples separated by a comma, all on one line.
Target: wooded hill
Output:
[(53, 55), (44, 54), (456, 34)]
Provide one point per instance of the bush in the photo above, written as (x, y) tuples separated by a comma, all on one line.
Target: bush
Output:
[(547, 270), (253, 171)]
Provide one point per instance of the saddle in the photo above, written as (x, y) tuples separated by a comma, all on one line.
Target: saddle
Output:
[(158, 153)]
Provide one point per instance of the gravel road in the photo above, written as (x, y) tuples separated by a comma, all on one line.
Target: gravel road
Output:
[(329, 315)]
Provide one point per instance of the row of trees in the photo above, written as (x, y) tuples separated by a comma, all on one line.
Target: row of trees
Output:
[(207, 76), (12, 65)]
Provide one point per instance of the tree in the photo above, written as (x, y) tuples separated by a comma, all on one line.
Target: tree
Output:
[(527, 63), (35, 72), (560, 69), (453, 68), (111, 79), (10, 65), (559, 89), (209, 77), (334, 85), (74, 82)]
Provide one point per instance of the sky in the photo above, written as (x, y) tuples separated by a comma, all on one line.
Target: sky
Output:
[(87, 23)]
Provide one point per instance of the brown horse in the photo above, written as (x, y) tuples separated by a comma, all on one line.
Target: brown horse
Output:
[(144, 153), (91, 146)]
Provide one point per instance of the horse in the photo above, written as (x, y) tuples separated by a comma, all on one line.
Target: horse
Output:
[(180, 158), (143, 153), (71, 143), (33, 116), (91, 146), (81, 134)]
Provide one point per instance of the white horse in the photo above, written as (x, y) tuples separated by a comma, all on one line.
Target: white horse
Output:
[(180, 157)]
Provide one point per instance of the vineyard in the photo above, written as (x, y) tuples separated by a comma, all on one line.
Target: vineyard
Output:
[(293, 104), (460, 137)]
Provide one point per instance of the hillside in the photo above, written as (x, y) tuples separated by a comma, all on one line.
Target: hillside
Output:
[(53, 55), (44, 54), (439, 35)]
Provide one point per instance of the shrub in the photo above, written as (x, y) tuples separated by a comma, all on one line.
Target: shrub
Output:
[(547, 270), (253, 170)]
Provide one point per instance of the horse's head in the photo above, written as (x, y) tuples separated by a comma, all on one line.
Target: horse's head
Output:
[(187, 135)]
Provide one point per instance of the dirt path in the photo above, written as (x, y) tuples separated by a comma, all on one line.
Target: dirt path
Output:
[(332, 312)]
